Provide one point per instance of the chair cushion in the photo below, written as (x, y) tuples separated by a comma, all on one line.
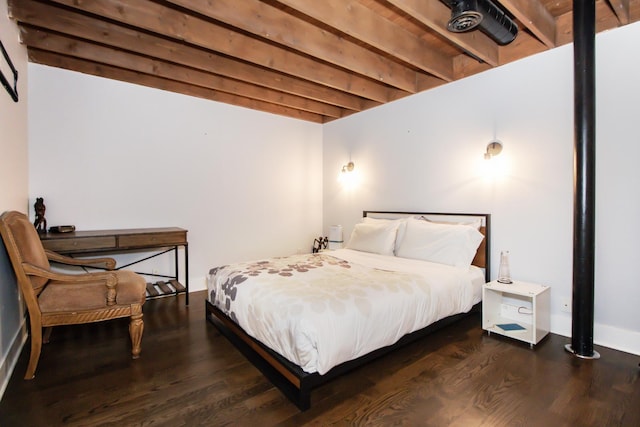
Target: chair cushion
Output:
[(63, 296)]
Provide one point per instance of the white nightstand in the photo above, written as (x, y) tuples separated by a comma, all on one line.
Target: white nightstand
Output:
[(524, 304)]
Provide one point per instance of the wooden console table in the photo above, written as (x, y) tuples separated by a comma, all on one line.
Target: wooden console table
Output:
[(158, 240)]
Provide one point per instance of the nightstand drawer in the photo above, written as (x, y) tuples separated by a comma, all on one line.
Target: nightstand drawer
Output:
[(80, 245), (147, 240)]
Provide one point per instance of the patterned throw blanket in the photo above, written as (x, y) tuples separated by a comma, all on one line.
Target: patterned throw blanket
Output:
[(282, 267)]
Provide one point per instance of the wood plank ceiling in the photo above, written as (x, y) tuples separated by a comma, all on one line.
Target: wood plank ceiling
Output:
[(311, 60)]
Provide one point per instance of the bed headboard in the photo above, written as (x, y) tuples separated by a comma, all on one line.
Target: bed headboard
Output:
[(483, 254)]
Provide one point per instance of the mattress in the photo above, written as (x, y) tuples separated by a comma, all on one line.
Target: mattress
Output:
[(320, 310)]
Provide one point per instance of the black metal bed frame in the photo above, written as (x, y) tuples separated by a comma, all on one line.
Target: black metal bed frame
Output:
[(297, 384)]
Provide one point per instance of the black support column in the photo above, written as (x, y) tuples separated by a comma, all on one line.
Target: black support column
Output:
[(584, 180)]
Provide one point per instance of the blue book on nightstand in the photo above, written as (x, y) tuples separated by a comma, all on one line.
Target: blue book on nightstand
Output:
[(510, 327)]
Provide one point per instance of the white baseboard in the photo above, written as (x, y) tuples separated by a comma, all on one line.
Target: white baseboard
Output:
[(619, 339), (604, 335), (197, 284), (8, 363)]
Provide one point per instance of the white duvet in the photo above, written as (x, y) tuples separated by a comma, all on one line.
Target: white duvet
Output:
[(320, 310)]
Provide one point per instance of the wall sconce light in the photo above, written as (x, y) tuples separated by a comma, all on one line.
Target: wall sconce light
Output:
[(348, 167), (493, 149), (349, 177)]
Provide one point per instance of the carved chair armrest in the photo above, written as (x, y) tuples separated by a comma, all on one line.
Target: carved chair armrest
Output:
[(109, 279), (104, 262)]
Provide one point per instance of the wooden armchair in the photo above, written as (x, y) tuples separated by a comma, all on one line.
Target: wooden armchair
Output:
[(55, 298)]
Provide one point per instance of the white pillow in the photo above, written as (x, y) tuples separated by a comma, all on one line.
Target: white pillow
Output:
[(376, 238), (402, 226), (476, 223), (451, 244)]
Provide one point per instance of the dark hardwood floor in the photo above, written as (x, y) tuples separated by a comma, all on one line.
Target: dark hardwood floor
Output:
[(190, 375)]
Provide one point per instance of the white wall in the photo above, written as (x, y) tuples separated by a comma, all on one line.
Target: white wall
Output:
[(13, 193), (106, 154), (425, 153)]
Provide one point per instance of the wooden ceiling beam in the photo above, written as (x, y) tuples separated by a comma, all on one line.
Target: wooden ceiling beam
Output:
[(53, 18), (605, 19), (621, 9), (524, 43), (427, 82), (67, 46), (194, 30), (363, 24), (311, 60), (533, 15), (273, 24), (435, 15), (114, 73), (465, 66)]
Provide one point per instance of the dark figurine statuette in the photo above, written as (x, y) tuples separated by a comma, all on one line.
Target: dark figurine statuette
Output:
[(319, 244), (41, 222)]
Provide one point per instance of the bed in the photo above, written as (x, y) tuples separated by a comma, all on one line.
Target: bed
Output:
[(305, 319)]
